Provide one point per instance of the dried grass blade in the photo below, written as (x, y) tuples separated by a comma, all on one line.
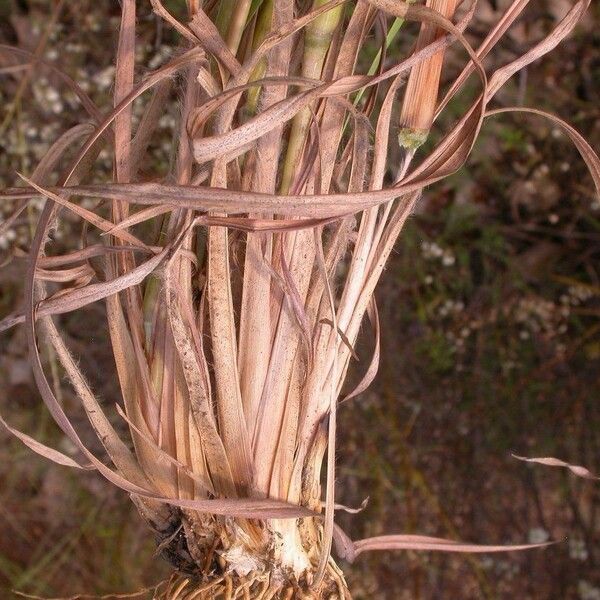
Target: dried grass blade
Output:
[(84, 213), (164, 72), (48, 163), (220, 200), (587, 152), (148, 124), (45, 451), (122, 458), (328, 526), (82, 274), (161, 454), (296, 304), (255, 325), (349, 550), (73, 299), (507, 19), (210, 39), (243, 508), (371, 372), (564, 27), (410, 542), (141, 216), (84, 254), (231, 144), (283, 354), (555, 462), (163, 13), (199, 398), (134, 387), (123, 86), (232, 422)]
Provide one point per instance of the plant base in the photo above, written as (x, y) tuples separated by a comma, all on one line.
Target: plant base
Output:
[(221, 558), (254, 587)]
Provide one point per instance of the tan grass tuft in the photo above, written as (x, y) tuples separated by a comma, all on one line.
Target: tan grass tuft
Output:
[(236, 288)]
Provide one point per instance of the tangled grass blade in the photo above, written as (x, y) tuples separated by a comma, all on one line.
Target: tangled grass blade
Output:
[(236, 286)]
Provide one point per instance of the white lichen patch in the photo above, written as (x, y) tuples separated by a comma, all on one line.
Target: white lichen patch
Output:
[(242, 560), (288, 548)]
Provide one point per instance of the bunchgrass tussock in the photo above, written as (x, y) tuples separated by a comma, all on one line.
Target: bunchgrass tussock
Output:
[(236, 286)]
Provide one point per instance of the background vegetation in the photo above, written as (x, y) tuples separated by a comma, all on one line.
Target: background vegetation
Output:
[(491, 345)]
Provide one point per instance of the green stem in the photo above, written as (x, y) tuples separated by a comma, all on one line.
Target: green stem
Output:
[(317, 39), (263, 27), (389, 38), (231, 21)]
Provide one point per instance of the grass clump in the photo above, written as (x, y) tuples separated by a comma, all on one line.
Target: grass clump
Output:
[(236, 286)]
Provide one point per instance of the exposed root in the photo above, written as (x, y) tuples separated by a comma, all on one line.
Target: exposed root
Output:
[(253, 587)]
